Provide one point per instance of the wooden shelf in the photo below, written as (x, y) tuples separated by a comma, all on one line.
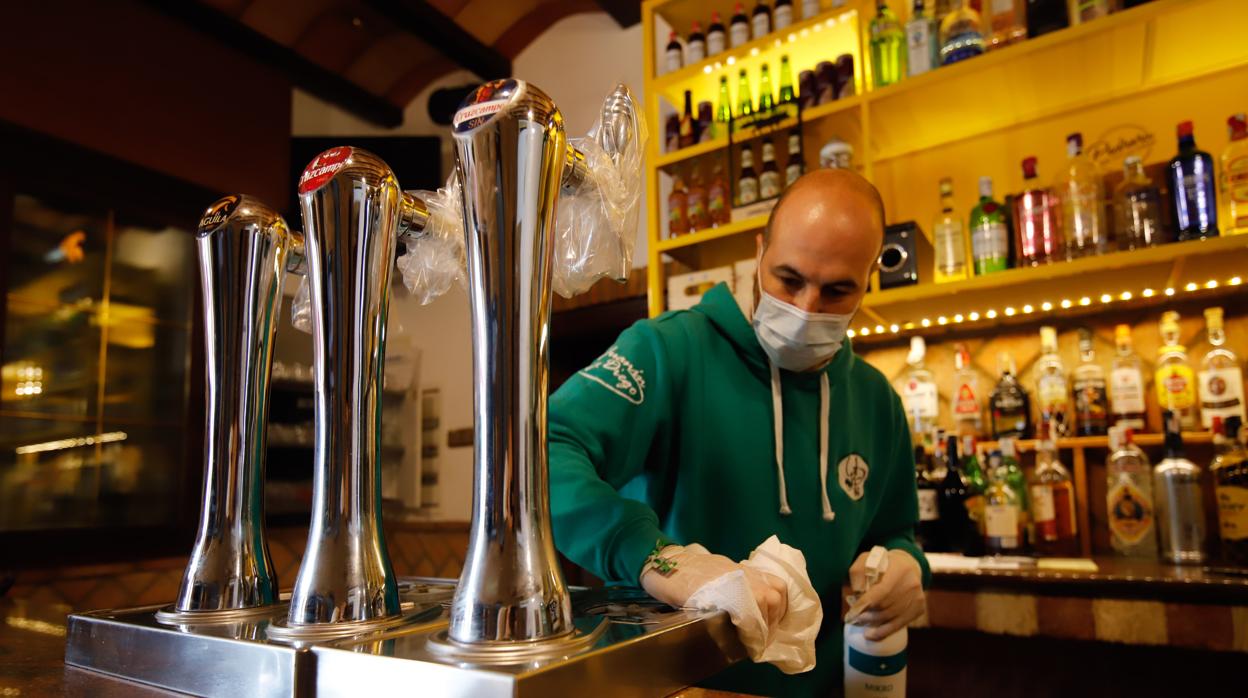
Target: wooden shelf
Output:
[(1083, 442)]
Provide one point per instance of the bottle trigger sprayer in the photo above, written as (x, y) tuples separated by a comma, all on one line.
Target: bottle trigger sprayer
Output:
[(874, 667)]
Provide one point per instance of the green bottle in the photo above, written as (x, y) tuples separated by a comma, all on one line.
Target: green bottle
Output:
[(723, 111), (745, 101), (1014, 477), (888, 47), (786, 81), (765, 101), (990, 238)]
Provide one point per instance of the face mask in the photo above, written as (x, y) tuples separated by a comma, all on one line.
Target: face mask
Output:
[(795, 339)]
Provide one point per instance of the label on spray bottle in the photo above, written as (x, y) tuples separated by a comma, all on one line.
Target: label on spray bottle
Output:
[(874, 668)]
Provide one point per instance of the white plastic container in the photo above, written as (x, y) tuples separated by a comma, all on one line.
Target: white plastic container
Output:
[(875, 668)]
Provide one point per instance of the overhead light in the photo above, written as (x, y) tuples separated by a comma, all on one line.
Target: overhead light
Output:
[(1066, 303), (1125, 295), (1085, 301), (1211, 283), (1148, 293), (1169, 291), (1027, 309), (991, 314), (1106, 298), (973, 316), (893, 328), (926, 323), (1046, 306), (1009, 311)]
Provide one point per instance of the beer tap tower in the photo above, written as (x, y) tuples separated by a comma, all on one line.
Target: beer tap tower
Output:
[(513, 627)]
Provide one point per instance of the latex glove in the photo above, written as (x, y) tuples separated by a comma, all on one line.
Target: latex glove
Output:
[(695, 566), (895, 601)]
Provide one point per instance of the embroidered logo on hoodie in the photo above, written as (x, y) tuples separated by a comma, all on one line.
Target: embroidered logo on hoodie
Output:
[(616, 373), (852, 473)]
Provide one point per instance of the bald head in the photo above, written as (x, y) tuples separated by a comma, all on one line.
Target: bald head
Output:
[(821, 241)]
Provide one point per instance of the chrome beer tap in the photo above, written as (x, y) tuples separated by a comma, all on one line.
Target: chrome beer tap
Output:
[(243, 249)]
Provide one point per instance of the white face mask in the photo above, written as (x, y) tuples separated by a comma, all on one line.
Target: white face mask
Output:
[(795, 339)]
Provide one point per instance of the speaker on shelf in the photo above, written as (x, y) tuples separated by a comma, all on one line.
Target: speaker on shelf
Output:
[(907, 253)]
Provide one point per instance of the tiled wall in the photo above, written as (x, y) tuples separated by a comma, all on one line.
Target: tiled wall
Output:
[(423, 550)]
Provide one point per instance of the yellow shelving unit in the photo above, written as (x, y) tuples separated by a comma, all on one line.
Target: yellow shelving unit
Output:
[(1123, 81)]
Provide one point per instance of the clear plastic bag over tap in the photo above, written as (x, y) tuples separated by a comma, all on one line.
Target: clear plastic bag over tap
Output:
[(301, 306), (433, 259)]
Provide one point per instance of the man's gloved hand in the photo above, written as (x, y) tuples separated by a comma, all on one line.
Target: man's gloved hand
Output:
[(893, 602), (693, 566)]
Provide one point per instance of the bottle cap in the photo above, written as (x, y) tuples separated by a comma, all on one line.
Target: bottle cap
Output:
[(877, 564), (1213, 318), (1215, 426), (672, 36), (1122, 334), (696, 28), (1048, 337), (1131, 162), (918, 348), (1074, 144), (739, 8), (715, 17), (985, 186), (961, 358), (1184, 128), (784, 58), (1115, 438), (1029, 167), (1085, 339), (1237, 126), (946, 187)]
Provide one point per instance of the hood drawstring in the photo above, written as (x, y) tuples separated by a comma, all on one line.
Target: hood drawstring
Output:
[(778, 423)]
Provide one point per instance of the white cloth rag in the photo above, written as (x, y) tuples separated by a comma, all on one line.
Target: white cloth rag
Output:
[(791, 644)]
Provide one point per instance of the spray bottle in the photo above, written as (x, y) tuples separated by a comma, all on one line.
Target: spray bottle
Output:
[(875, 668)]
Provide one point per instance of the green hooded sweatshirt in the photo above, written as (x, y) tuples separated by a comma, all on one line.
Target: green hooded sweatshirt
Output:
[(670, 436)]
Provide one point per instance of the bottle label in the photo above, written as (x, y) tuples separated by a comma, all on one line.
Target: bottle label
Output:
[(966, 404), (1090, 401), (1221, 394), (1176, 387), (918, 41), (697, 211), (1052, 393), (762, 24), (673, 60), (1043, 511), (749, 190), (697, 51), (716, 203), (950, 255), (929, 510), (784, 16), (875, 675), (1002, 6), (792, 172), (1127, 390), (715, 43), (1236, 172), (1001, 524), (1232, 512), (769, 185), (920, 399), (677, 221), (1130, 513), (740, 33)]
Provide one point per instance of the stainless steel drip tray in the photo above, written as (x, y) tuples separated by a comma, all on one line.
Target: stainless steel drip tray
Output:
[(637, 647), (215, 657)]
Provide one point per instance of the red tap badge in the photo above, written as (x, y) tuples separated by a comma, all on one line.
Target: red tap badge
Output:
[(323, 168)]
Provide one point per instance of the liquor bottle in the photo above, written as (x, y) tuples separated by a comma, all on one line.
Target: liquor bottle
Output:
[(786, 81), (687, 135), (1126, 379), (810, 9), (888, 47), (715, 36), (949, 239), (1129, 497), (783, 14), (918, 390), (769, 178), (747, 185), (1235, 177), (1008, 22), (928, 530), (717, 195), (723, 108), (1175, 381), (1016, 480), (1086, 10), (961, 36), (675, 53), (1037, 222), (922, 41), (739, 27), (745, 95), (873, 667), (1011, 405), (794, 165), (696, 47), (990, 238), (678, 208), (1052, 390), (760, 20), (1044, 16), (1079, 192), (973, 471), (1180, 508), (765, 101), (1230, 486), (967, 412), (1003, 516), (1193, 203), (1053, 501), (1091, 398), (699, 217), (960, 532), (1137, 208), (671, 133), (1221, 384), (705, 125)]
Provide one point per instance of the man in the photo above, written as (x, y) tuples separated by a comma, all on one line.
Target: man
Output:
[(703, 426)]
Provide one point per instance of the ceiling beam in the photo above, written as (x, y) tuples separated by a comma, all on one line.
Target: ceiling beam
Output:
[(423, 20), (626, 13), (302, 72)]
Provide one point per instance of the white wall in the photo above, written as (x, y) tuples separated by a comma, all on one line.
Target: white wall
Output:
[(577, 61)]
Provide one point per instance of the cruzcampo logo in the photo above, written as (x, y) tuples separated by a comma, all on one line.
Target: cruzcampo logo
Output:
[(616, 373)]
